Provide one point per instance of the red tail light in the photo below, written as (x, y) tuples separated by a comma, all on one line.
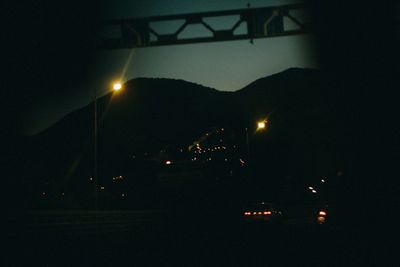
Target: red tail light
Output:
[(267, 213), (247, 213), (321, 219)]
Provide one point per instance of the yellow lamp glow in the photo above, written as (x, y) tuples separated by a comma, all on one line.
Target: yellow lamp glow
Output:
[(117, 87), (261, 125)]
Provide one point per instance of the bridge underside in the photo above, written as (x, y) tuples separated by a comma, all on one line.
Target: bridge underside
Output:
[(251, 23)]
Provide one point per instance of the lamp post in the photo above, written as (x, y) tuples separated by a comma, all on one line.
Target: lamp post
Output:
[(247, 144), (261, 126), (95, 154), (116, 87)]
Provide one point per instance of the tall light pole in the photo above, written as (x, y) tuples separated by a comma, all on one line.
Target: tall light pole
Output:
[(116, 87), (247, 144), (261, 125), (96, 191)]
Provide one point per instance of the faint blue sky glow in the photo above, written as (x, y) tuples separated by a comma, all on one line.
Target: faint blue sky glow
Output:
[(226, 66)]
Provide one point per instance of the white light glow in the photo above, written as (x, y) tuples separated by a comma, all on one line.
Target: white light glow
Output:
[(117, 87)]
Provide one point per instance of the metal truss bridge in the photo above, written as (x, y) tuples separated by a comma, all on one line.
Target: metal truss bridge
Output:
[(250, 23)]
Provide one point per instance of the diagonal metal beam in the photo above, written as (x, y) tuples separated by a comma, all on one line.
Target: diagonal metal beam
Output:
[(257, 23)]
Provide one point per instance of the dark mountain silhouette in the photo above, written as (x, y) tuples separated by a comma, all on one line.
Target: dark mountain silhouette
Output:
[(150, 114)]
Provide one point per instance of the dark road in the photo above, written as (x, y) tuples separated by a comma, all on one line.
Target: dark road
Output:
[(185, 240)]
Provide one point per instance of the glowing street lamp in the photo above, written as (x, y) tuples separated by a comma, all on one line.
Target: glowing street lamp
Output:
[(261, 125), (116, 87)]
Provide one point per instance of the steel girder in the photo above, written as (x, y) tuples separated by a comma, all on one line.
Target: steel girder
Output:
[(253, 23)]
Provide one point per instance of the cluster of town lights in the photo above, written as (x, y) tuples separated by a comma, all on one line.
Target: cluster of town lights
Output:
[(199, 150), (312, 189), (120, 177), (248, 213)]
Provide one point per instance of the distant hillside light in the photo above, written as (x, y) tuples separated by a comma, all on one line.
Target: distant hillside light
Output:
[(117, 86)]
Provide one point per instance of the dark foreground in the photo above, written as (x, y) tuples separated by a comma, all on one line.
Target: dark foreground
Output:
[(190, 239)]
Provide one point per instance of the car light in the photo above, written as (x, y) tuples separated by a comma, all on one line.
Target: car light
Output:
[(247, 213), (254, 213), (321, 219), (266, 212), (259, 213), (322, 213)]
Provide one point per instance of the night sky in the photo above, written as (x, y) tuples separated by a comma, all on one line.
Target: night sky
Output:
[(57, 68)]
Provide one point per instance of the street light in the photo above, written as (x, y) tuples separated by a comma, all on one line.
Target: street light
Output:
[(261, 125), (116, 87)]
